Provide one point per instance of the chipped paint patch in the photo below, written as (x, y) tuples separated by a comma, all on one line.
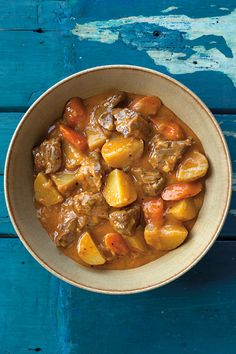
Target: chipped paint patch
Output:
[(169, 9), (207, 43)]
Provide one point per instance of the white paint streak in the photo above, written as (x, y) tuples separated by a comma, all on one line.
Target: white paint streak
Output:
[(233, 212), (169, 9), (191, 28), (224, 8), (229, 133), (102, 34)]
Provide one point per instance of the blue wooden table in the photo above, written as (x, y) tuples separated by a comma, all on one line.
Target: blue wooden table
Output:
[(41, 42)]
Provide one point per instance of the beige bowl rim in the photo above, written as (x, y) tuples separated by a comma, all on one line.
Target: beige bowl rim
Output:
[(218, 131)]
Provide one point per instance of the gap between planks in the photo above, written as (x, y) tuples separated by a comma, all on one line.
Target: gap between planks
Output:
[(38, 30)]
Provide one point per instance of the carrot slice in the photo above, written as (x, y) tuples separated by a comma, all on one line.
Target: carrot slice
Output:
[(116, 244), (74, 138), (153, 209), (170, 130), (148, 105), (75, 113), (178, 191)]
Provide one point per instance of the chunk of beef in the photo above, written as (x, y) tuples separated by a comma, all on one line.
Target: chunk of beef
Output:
[(101, 118), (106, 120), (131, 123), (101, 121), (91, 206), (114, 99), (164, 154), (151, 181), (67, 226), (102, 113), (65, 233), (48, 156), (125, 220), (90, 173)]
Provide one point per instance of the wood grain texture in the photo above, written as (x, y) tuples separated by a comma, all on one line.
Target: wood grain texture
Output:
[(227, 123), (177, 43), (29, 303), (39, 59), (38, 312), (47, 15), (195, 314)]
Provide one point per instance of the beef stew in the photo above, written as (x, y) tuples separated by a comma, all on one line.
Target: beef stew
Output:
[(119, 180)]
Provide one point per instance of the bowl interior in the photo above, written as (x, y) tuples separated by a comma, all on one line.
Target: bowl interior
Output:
[(19, 180)]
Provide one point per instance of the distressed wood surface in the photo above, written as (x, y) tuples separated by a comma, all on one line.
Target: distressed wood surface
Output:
[(29, 315), (41, 42), (194, 314), (47, 40), (34, 14)]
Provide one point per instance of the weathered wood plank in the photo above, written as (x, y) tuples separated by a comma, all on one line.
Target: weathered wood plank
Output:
[(107, 9), (29, 314), (195, 314), (39, 311), (228, 126), (227, 123), (47, 15), (6, 227), (193, 42), (8, 123), (37, 60)]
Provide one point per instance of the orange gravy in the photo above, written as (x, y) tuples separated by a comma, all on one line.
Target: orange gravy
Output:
[(49, 216)]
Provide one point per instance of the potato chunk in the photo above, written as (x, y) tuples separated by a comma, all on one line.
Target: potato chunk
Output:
[(194, 166), (88, 251), (183, 210), (137, 241), (121, 152), (64, 181), (119, 190), (95, 137), (148, 105), (72, 157), (45, 192), (168, 237)]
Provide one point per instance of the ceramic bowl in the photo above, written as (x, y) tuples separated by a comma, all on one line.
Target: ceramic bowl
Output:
[(19, 178)]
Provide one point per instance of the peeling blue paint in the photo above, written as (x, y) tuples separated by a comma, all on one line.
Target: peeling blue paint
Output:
[(184, 45)]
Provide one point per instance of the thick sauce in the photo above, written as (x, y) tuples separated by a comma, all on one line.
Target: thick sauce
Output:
[(50, 215)]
